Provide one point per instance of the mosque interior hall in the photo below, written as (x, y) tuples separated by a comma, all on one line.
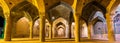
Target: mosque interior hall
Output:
[(59, 21)]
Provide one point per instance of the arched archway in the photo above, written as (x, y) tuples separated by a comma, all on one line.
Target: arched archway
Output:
[(93, 11), (22, 28), (64, 11), (117, 26), (99, 26), (116, 21), (60, 30), (36, 28), (2, 23), (99, 30), (83, 29), (24, 9), (90, 9), (60, 25), (100, 15)]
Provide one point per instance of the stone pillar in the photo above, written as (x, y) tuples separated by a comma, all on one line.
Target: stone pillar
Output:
[(110, 27), (42, 27), (31, 29), (77, 30), (70, 22), (51, 31), (109, 21), (80, 28), (89, 30), (7, 32)]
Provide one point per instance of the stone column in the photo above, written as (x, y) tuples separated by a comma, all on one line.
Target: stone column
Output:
[(7, 32), (77, 30), (80, 28), (42, 27), (109, 21), (110, 27), (70, 22), (31, 29), (51, 31), (89, 30)]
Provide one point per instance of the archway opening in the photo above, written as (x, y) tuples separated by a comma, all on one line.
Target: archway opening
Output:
[(22, 28), (36, 28), (93, 11), (99, 30), (60, 28), (27, 12), (116, 21), (61, 12), (2, 23), (83, 29)]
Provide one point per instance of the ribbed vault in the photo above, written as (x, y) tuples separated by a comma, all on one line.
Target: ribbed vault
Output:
[(24, 7), (61, 10), (89, 10)]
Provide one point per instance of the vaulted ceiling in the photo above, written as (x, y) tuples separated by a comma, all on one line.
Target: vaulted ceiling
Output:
[(18, 10), (62, 11), (51, 3), (12, 3), (90, 9)]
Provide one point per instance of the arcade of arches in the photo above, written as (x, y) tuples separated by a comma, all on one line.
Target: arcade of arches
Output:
[(48, 20)]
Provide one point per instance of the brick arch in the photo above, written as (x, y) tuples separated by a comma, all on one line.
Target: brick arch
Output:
[(6, 12), (62, 9), (99, 29), (89, 9), (98, 14), (27, 7), (64, 22), (116, 24)]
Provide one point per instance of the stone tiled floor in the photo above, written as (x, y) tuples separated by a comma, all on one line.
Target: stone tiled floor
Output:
[(58, 41)]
